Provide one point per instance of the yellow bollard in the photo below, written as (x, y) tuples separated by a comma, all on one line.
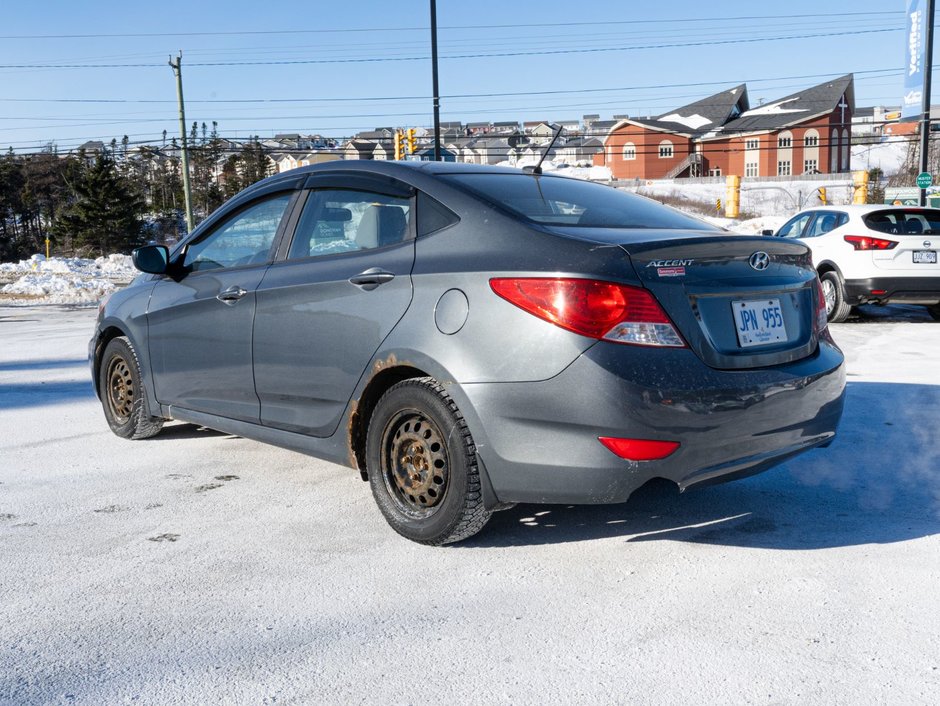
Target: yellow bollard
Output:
[(733, 196), (47, 247), (860, 183)]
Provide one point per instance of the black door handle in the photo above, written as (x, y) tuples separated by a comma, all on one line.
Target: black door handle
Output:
[(231, 295), (371, 278)]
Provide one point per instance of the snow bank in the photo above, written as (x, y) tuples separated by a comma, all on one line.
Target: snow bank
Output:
[(64, 280), (113, 266), (53, 288)]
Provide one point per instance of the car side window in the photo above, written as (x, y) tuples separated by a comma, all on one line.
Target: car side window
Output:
[(433, 215), (825, 221), (340, 220), (243, 239), (795, 226)]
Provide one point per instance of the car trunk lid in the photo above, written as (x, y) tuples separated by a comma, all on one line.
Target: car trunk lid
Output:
[(739, 301)]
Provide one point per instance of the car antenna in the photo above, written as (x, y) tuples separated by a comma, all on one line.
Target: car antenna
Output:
[(538, 167)]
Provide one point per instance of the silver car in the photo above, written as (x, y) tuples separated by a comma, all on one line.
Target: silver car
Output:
[(471, 337)]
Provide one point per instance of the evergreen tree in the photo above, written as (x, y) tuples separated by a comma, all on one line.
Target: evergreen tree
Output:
[(105, 216)]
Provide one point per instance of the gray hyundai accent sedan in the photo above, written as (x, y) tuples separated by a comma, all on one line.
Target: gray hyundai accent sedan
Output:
[(470, 337)]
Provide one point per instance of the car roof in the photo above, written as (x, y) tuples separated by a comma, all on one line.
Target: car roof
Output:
[(398, 169), (865, 208)]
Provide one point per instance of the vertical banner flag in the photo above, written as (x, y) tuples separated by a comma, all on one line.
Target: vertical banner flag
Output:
[(916, 19)]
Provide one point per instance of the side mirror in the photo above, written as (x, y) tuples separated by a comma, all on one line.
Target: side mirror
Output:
[(153, 259), (766, 232)]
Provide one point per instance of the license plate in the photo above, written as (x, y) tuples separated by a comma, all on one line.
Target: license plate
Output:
[(759, 322), (925, 257)]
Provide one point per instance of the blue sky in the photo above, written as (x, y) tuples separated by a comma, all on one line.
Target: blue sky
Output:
[(366, 62)]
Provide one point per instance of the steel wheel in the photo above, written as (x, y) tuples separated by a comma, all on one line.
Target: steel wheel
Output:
[(122, 394), (422, 464), (414, 463), (121, 391)]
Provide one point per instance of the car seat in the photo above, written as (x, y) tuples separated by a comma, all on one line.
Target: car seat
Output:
[(913, 226), (381, 225)]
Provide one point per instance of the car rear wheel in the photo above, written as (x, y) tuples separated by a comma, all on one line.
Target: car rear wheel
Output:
[(122, 395), (837, 310), (422, 465)]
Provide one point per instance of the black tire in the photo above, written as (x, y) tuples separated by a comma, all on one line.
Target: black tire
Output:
[(934, 311), (422, 465), (122, 395), (837, 309)]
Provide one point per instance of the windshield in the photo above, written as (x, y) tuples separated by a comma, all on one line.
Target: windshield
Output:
[(905, 221), (572, 202)]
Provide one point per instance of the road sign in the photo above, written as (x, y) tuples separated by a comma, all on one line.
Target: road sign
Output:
[(924, 180)]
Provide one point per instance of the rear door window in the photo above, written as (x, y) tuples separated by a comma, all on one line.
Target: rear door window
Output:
[(904, 221), (338, 220), (824, 222)]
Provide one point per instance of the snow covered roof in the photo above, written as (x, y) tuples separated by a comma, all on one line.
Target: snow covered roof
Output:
[(796, 108), (703, 115)]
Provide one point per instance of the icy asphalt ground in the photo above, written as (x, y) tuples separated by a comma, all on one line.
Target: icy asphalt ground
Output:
[(199, 568)]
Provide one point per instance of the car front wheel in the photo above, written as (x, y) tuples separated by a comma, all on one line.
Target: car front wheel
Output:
[(422, 465), (837, 310), (122, 395)]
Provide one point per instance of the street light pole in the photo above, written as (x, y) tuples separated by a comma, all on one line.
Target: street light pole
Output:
[(437, 96)]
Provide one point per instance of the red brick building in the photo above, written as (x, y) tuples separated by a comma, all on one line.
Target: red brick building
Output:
[(806, 132)]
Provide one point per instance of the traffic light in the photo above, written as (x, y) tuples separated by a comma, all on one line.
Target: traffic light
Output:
[(822, 195), (399, 145), (412, 141)]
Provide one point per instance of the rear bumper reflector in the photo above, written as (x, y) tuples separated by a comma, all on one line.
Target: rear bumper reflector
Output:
[(639, 449)]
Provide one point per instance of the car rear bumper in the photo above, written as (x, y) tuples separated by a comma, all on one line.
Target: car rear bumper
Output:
[(913, 290), (539, 440)]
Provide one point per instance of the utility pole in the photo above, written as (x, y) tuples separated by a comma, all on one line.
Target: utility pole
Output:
[(187, 194), (925, 104), (437, 95)]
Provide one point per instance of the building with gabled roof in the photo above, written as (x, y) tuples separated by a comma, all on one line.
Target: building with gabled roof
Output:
[(805, 132)]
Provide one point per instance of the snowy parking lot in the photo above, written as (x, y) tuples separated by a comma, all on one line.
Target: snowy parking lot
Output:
[(197, 567)]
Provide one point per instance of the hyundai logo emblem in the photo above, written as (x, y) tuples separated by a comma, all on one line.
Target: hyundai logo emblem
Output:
[(760, 260)]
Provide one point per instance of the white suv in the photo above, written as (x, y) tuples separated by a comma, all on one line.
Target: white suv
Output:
[(872, 254)]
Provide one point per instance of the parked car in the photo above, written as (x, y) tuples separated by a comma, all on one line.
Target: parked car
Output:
[(872, 254), (469, 337)]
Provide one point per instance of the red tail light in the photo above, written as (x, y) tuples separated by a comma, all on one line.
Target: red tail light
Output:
[(865, 242), (639, 449), (602, 310)]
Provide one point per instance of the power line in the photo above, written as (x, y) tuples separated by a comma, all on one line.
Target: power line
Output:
[(231, 33), (490, 55)]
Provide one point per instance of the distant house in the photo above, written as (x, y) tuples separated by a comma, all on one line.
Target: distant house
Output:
[(508, 127), (358, 149), (539, 130), (475, 129), (427, 155), (579, 150), (491, 150), (802, 133), (377, 135)]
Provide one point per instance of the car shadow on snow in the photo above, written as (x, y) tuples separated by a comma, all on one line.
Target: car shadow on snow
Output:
[(878, 483), (38, 394), (17, 365), (176, 431)]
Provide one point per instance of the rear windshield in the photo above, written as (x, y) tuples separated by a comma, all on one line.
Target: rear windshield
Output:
[(572, 202), (905, 221)]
